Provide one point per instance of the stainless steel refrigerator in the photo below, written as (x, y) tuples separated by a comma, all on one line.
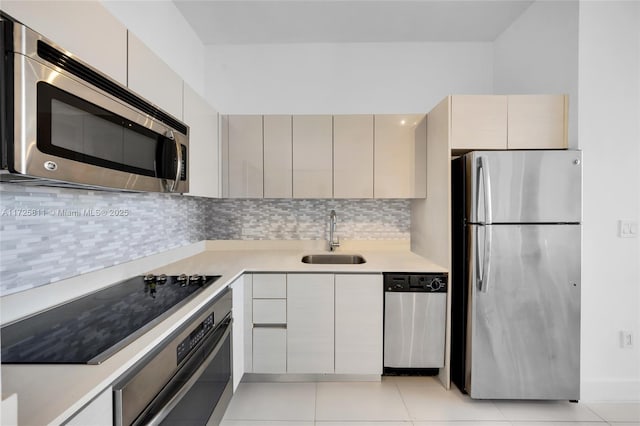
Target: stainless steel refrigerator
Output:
[(516, 274)]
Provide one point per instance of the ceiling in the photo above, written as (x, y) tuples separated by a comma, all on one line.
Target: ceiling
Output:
[(343, 21)]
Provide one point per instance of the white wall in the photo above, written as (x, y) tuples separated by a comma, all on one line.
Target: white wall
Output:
[(161, 26), (344, 78), (609, 132), (538, 53)]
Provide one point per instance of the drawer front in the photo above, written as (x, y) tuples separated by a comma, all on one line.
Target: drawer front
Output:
[(269, 350), (269, 311), (269, 286)]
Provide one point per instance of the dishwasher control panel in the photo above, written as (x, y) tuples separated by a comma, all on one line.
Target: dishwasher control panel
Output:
[(415, 282)]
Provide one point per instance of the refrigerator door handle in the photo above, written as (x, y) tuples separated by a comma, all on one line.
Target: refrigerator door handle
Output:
[(486, 263), (483, 168), (483, 272)]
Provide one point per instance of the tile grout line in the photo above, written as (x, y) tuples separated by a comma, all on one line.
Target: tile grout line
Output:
[(406, 407), (315, 405), (596, 414)]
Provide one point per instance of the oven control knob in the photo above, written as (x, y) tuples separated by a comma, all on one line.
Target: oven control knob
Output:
[(436, 284), (149, 278), (162, 278), (182, 279), (195, 278)]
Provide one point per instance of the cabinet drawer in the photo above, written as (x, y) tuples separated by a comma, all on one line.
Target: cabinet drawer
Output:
[(269, 350), (269, 286), (269, 311)]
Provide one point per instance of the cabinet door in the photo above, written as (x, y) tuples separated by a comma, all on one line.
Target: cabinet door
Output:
[(98, 412), (241, 338), (278, 156), (202, 166), (353, 156), (245, 156), (478, 122), (310, 323), (399, 156), (537, 122), (153, 79), (358, 324), (84, 28), (269, 350), (224, 156), (312, 156)]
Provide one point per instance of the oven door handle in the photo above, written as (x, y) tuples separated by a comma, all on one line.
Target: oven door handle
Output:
[(175, 399)]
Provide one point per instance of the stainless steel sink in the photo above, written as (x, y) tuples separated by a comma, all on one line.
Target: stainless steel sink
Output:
[(330, 259)]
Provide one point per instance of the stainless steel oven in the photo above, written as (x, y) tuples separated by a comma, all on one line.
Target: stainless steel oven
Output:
[(187, 379), (64, 123)]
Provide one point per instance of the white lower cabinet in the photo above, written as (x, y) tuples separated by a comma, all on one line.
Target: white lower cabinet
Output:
[(241, 308), (269, 322), (269, 311), (358, 323), (310, 338), (98, 412), (269, 350), (323, 324)]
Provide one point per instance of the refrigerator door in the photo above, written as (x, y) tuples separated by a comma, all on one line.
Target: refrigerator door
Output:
[(524, 186), (524, 321)]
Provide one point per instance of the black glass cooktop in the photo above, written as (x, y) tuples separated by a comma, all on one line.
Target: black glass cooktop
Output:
[(90, 329)]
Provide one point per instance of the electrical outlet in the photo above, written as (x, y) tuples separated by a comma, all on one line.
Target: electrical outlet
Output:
[(627, 229), (626, 339)]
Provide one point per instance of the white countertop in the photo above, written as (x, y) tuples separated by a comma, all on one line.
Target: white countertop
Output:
[(49, 394)]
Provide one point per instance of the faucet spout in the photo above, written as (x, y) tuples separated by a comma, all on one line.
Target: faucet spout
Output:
[(333, 219)]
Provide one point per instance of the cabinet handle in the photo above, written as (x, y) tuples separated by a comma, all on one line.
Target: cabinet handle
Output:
[(269, 325)]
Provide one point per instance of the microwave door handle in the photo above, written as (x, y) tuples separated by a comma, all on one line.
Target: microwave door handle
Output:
[(174, 185)]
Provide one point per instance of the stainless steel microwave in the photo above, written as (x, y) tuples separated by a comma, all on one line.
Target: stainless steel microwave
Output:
[(64, 123)]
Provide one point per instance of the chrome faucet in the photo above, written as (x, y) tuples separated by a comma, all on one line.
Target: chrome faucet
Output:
[(333, 219)]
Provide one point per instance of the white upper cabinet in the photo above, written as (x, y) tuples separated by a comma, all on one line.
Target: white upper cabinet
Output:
[(244, 150), (400, 158), (153, 79), (278, 156), (537, 121), (478, 122), (84, 28), (508, 122), (353, 156), (324, 156), (312, 156), (202, 166)]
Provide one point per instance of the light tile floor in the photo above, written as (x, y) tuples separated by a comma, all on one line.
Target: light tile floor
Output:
[(406, 401)]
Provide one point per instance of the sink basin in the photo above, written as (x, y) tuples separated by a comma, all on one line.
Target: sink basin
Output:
[(333, 259)]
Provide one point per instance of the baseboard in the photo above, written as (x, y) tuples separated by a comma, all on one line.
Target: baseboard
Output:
[(610, 390), (284, 378)]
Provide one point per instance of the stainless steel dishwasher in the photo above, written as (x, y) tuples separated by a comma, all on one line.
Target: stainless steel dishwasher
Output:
[(415, 307)]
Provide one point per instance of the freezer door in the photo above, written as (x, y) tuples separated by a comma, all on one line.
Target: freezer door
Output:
[(524, 321), (524, 186)]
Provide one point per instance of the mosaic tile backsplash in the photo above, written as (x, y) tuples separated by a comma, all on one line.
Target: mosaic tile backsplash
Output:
[(49, 234)]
